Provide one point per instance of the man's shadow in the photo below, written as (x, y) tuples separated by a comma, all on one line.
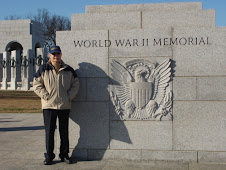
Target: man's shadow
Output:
[(93, 112)]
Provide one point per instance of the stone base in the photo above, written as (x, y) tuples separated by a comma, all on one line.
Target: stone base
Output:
[(13, 84), (25, 84), (4, 85), (149, 155)]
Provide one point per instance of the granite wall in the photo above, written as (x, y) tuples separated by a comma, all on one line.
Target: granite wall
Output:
[(183, 33)]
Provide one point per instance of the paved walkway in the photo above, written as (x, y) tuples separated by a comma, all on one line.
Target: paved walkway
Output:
[(22, 147)]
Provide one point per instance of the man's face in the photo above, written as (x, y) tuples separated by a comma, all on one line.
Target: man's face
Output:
[(55, 57)]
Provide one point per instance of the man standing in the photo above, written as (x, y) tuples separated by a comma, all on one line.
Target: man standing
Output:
[(56, 83)]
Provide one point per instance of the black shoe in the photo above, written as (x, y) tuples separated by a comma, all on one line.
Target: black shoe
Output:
[(48, 161), (64, 156), (72, 161)]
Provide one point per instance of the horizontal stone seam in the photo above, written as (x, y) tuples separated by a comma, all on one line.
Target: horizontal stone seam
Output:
[(145, 10), (106, 29), (144, 57), (170, 150), (145, 150), (140, 120), (213, 151), (154, 150), (95, 77), (117, 149), (112, 149), (203, 76), (91, 101), (105, 13), (199, 100)]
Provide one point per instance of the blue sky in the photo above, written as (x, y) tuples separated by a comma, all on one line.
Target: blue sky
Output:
[(67, 7)]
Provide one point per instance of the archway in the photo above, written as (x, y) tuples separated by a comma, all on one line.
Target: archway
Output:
[(37, 45), (14, 46)]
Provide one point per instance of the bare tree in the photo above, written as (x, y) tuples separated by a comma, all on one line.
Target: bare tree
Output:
[(50, 22)]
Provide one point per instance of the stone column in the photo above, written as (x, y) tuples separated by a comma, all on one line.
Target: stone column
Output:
[(41, 57), (31, 65), (45, 55), (1, 67), (15, 69), (5, 70), (27, 69)]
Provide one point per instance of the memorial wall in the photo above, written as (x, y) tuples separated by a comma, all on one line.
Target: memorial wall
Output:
[(152, 83)]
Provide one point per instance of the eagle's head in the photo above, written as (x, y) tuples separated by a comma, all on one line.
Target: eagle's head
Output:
[(140, 74)]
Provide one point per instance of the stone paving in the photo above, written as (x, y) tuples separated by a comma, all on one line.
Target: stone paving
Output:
[(22, 147)]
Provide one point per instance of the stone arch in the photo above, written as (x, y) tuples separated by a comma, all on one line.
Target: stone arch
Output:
[(13, 45), (37, 45)]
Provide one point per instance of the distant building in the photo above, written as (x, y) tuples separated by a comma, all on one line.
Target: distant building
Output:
[(21, 53), (20, 35)]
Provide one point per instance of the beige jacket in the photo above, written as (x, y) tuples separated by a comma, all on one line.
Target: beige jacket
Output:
[(56, 90)]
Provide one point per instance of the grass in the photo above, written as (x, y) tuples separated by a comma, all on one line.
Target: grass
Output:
[(19, 102)]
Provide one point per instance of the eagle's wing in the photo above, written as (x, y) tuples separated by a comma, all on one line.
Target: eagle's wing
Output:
[(122, 77), (162, 75)]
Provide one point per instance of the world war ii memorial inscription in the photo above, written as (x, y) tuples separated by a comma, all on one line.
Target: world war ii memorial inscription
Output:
[(153, 83)]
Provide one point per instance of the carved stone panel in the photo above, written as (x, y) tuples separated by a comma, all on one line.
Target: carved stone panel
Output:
[(140, 89)]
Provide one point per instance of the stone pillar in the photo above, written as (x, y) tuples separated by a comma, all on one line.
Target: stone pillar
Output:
[(15, 69), (27, 69), (41, 57), (5, 70), (45, 55), (31, 64), (1, 67)]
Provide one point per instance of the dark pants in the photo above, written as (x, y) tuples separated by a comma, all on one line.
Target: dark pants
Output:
[(50, 116)]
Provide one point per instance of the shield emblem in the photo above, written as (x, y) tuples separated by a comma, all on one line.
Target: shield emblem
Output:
[(141, 93)]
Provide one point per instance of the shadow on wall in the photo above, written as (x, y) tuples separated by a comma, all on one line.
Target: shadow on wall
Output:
[(94, 113)]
